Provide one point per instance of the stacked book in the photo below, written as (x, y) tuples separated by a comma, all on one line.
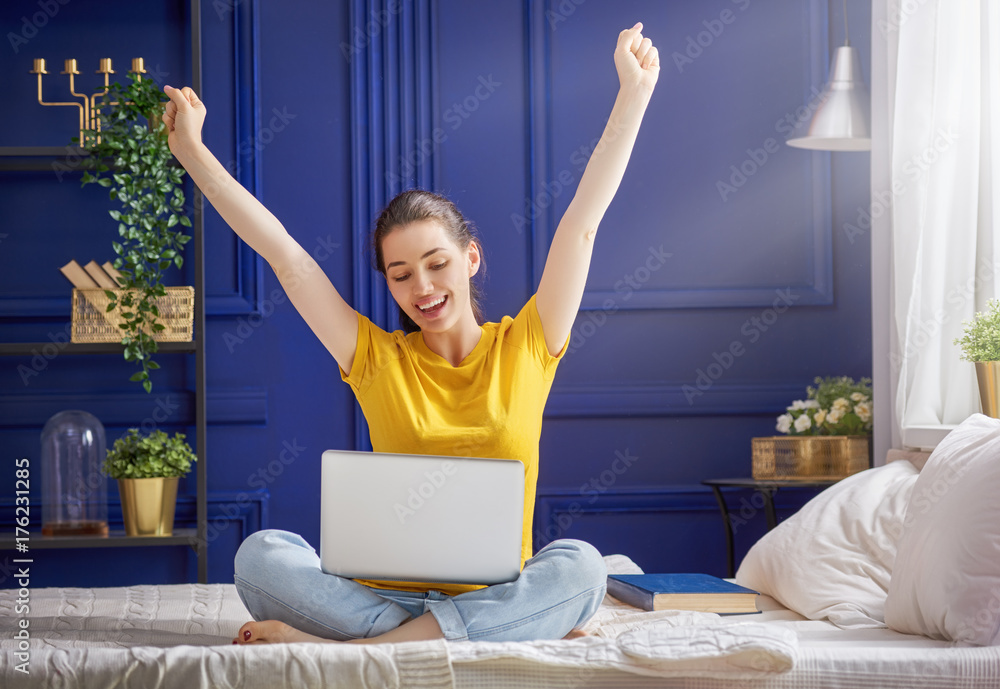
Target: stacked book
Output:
[(698, 592), (92, 275)]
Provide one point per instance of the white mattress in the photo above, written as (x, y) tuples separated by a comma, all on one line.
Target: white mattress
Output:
[(180, 636)]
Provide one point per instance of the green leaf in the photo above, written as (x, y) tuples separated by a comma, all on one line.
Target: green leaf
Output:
[(185, 221), (104, 182)]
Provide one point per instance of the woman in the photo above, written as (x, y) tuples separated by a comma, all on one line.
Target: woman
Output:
[(452, 386)]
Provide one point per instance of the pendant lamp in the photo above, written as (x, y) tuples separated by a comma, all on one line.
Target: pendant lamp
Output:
[(841, 122)]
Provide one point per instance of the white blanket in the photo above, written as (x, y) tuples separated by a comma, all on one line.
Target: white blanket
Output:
[(149, 637)]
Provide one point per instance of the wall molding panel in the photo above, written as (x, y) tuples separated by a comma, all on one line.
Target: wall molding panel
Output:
[(246, 406), (817, 289), (618, 401), (245, 296)]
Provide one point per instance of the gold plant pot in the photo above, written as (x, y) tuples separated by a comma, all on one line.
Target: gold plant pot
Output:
[(809, 457), (988, 374), (148, 505)]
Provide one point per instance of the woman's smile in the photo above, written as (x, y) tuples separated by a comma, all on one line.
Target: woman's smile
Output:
[(432, 307)]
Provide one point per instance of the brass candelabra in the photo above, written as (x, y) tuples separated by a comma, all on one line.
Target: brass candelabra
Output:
[(88, 104)]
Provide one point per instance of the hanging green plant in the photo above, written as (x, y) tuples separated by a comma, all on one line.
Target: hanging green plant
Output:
[(129, 153)]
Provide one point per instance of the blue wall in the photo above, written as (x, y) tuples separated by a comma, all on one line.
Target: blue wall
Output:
[(325, 110)]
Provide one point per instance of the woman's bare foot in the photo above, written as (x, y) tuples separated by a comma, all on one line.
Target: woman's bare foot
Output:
[(575, 634), (273, 632), (421, 628)]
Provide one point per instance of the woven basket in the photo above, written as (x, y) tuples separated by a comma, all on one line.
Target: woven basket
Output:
[(809, 457), (92, 322)]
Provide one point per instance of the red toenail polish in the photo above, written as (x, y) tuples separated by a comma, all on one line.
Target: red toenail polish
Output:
[(234, 641), (246, 635)]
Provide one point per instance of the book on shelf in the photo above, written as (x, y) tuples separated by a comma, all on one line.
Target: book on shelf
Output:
[(696, 592), (78, 276), (102, 279), (110, 270)]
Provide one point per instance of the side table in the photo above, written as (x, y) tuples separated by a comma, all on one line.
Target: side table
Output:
[(767, 489)]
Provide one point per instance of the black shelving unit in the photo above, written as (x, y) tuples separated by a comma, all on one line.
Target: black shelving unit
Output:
[(34, 158)]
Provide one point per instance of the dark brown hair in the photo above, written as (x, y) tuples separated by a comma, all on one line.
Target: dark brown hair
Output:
[(415, 205)]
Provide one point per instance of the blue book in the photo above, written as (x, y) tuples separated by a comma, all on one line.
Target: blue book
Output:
[(698, 592)]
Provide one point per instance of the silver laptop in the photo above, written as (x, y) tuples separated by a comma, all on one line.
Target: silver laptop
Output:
[(421, 518)]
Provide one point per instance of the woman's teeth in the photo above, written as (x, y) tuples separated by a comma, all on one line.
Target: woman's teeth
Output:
[(431, 304)]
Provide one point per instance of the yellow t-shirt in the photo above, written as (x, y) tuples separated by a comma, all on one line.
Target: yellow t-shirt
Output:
[(490, 405)]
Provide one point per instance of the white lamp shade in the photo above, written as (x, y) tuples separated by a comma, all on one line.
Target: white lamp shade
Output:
[(841, 120)]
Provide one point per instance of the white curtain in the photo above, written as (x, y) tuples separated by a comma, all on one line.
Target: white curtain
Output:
[(935, 186)]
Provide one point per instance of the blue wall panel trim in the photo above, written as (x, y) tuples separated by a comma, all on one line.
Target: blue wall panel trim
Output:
[(392, 92), (817, 290), (557, 510), (249, 274), (128, 408), (247, 511), (615, 401)]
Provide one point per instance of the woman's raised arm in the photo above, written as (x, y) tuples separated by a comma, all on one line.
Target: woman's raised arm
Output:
[(565, 276), (309, 289)]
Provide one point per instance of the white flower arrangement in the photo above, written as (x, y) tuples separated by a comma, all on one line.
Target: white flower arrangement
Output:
[(836, 406)]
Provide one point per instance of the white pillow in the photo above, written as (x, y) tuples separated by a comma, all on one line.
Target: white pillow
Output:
[(833, 558), (946, 579)]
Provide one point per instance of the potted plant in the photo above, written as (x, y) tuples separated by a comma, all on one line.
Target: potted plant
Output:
[(827, 433), (981, 345), (130, 135), (148, 469)]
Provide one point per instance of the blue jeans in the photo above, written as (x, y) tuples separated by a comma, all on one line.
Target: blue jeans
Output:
[(278, 577)]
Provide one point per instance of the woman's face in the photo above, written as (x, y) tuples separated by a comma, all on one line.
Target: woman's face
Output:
[(428, 274)]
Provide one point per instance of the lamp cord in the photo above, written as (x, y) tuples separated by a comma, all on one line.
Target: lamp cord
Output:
[(847, 36)]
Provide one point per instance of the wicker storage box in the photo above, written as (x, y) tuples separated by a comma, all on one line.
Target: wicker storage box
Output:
[(92, 322), (809, 457)]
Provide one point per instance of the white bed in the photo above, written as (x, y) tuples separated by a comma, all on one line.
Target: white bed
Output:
[(180, 636)]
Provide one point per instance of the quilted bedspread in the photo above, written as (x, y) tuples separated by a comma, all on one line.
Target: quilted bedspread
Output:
[(181, 636)]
